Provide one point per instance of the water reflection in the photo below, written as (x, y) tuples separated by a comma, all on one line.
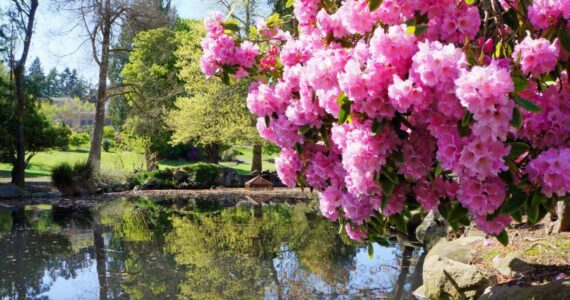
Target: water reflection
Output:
[(135, 249)]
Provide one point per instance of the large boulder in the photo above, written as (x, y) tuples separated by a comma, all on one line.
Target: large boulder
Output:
[(447, 272), (431, 229), (512, 265), (555, 290), (9, 191)]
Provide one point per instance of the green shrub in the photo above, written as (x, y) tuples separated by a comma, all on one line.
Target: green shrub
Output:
[(73, 180), (153, 180), (231, 154), (109, 132), (62, 175), (107, 145), (204, 175), (77, 139)]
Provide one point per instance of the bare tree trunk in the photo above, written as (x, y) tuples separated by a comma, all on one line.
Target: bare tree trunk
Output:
[(559, 220), (99, 244), (97, 138), (256, 161), (150, 160), (18, 173)]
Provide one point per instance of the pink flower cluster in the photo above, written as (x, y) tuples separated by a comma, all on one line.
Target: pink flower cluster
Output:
[(551, 170), (537, 56), (409, 96), (545, 13)]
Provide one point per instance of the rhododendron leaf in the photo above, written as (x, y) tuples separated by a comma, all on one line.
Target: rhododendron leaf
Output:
[(324, 136), (520, 83), (274, 20), (438, 170), (467, 119), (517, 216), (374, 4), (516, 121), (456, 214), (531, 211), (304, 129), (370, 251), (230, 69), (289, 3), (267, 121), (344, 112), (514, 203), (382, 242), (507, 177), (518, 149), (537, 199), (377, 126), (420, 29), (470, 2), (391, 174), (463, 130), (498, 48), (399, 222), (387, 186), (225, 78), (398, 156), (503, 238), (564, 38), (510, 18), (527, 104)]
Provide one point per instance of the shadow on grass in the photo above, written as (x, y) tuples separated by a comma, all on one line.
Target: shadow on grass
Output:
[(29, 173)]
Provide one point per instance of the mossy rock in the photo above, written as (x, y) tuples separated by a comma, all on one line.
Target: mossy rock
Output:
[(203, 175)]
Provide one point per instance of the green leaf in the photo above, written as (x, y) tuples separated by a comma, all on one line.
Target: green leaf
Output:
[(537, 199), (398, 156), (510, 18), (507, 178), (344, 112), (384, 202), (225, 78), (527, 104), (387, 186), (516, 122), (470, 2), (518, 149), (456, 213), (267, 121), (289, 3), (564, 38), (382, 242), (467, 119), (390, 173), (515, 203), (398, 221), (374, 4), (520, 83), (324, 136), (463, 130), (438, 170), (532, 211), (503, 238), (377, 126), (420, 29), (370, 251), (517, 216)]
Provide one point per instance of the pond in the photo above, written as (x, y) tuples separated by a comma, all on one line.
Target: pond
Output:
[(137, 249)]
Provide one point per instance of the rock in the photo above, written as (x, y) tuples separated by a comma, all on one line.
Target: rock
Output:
[(420, 293), (559, 218), (449, 279), (555, 290), (431, 229), (9, 191), (447, 272), (512, 265), (137, 188), (25, 193)]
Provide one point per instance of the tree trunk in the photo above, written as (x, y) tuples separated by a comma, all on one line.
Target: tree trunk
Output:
[(256, 162), (97, 137), (213, 152), (559, 218), (150, 159), (18, 173), (99, 244)]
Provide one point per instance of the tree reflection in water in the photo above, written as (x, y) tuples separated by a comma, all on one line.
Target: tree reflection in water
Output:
[(136, 249)]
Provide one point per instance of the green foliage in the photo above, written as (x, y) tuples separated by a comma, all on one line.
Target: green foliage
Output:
[(109, 132), (211, 112), (72, 180), (107, 144), (203, 174), (77, 139)]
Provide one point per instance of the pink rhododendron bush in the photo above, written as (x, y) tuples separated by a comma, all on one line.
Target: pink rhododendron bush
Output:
[(396, 107)]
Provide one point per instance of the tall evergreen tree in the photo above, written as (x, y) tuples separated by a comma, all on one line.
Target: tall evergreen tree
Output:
[(52, 83), (36, 80)]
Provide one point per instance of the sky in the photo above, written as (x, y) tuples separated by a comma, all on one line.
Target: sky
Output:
[(57, 43)]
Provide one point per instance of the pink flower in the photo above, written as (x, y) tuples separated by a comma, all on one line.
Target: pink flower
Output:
[(481, 197), (482, 159), (288, 165), (355, 232), (495, 226), (537, 56), (395, 203), (329, 202), (551, 170), (437, 65), (214, 23), (545, 13)]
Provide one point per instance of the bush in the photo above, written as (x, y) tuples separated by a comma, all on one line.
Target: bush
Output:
[(77, 139), (107, 145), (203, 175), (109, 132), (153, 180), (231, 154), (73, 180), (62, 175)]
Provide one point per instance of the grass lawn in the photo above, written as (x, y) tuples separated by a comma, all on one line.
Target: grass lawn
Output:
[(41, 164)]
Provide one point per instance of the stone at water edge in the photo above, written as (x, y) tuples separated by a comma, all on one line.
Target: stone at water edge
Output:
[(555, 290), (512, 265), (431, 229)]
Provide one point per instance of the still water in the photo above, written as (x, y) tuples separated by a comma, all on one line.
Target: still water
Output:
[(136, 249)]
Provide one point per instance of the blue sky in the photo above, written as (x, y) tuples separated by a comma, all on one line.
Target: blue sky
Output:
[(58, 44)]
